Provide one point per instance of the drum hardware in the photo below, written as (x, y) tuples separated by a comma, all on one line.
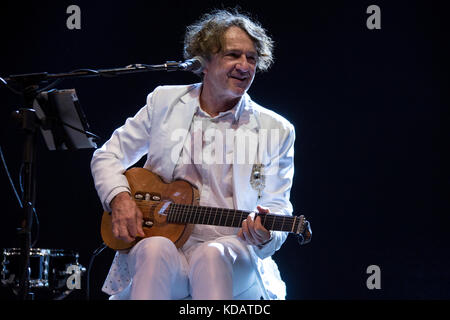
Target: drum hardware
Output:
[(53, 273)]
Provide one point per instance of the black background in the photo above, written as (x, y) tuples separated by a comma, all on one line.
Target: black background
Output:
[(369, 106)]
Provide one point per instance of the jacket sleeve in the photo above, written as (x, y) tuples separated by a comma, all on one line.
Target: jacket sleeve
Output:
[(127, 145), (279, 175)]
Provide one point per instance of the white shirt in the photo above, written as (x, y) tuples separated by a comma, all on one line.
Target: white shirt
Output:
[(206, 162)]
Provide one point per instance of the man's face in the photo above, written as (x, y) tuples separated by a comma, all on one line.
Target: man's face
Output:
[(231, 71)]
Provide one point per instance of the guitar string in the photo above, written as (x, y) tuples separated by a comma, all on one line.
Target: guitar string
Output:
[(189, 213), (203, 211), (180, 213)]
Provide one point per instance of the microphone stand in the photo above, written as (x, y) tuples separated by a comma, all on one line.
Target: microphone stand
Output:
[(29, 88)]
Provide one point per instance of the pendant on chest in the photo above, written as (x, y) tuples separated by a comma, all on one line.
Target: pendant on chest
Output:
[(257, 178)]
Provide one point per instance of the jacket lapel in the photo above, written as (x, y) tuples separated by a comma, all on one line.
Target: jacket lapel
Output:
[(173, 128)]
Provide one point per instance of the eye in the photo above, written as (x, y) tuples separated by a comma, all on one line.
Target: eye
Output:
[(233, 55), (251, 59)]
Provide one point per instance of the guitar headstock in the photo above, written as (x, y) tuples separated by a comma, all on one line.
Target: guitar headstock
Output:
[(304, 231)]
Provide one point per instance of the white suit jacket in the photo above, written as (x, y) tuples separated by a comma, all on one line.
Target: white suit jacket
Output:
[(171, 108)]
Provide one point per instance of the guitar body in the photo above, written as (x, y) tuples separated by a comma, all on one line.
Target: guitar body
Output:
[(152, 194)]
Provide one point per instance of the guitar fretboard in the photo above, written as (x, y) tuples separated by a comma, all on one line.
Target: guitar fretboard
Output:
[(182, 213)]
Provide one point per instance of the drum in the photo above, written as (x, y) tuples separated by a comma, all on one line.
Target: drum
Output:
[(49, 270)]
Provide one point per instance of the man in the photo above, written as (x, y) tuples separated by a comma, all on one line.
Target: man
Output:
[(172, 130)]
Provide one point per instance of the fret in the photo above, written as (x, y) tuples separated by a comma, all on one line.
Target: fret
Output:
[(191, 215), (209, 216), (177, 213), (180, 214), (215, 215), (293, 219), (243, 213), (202, 212), (297, 225), (183, 217), (170, 215), (204, 215), (196, 214), (232, 221), (206, 211), (238, 222), (220, 218), (287, 228), (231, 224), (225, 222), (183, 214), (177, 218), (199, 215)]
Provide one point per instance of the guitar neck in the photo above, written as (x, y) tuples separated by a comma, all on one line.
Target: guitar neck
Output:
[(181, 213)]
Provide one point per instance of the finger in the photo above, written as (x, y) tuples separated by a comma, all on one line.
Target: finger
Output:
[(246, 233), (248, 238), (132, 228), (262, 232), (115, 230), (139, 221), (244, 228), (260, 229), (124, 233), (262, 209), (119, 226), (240, 234), (251, 228)]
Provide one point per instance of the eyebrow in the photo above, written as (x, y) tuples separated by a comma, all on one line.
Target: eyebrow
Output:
[(255, 53)]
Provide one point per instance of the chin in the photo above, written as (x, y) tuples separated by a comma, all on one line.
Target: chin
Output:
[(238, 91)]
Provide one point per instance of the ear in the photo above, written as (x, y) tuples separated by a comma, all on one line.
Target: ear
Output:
[(204, 72), (206, 67)]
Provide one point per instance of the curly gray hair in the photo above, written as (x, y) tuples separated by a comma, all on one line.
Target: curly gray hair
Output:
[(205, 37)]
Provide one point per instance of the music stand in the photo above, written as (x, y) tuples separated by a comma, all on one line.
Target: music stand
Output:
[(63, 123)]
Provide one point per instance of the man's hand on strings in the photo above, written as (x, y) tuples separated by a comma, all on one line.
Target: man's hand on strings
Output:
[(252, 231)]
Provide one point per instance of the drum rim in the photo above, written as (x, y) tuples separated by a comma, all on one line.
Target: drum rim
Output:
[(42, 252)]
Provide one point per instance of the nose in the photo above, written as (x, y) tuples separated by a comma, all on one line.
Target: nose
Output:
[(242, 64)]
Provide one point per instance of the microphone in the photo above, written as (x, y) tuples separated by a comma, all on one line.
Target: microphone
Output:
[(195, 64)]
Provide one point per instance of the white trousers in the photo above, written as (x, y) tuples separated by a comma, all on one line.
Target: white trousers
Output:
[(217, 270)]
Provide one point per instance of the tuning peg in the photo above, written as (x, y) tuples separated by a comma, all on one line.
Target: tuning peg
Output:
[(305, 236)]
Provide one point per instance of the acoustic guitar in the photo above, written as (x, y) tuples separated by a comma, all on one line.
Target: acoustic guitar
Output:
[(171, 210)]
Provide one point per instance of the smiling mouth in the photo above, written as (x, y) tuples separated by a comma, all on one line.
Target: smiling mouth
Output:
[(238, 78)]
